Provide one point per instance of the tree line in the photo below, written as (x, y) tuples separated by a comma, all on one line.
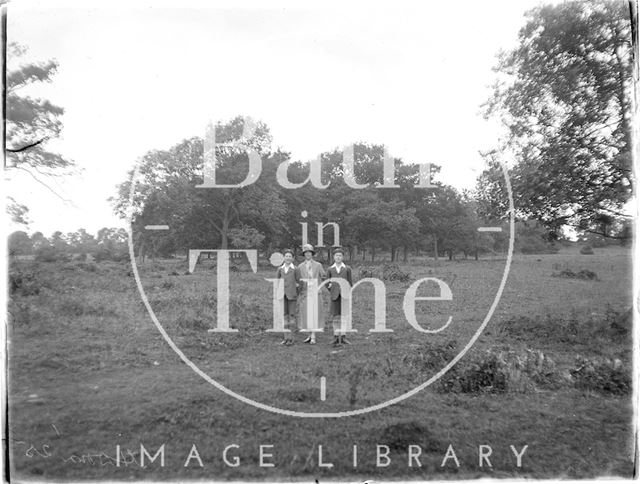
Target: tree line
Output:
[(440, 221), (109, 243), (563, 95)]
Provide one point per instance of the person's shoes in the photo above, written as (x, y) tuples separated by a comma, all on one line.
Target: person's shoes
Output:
[(308, 340), (289, 342), (336, 341), (312, 342), (283, 342), (344, 341)]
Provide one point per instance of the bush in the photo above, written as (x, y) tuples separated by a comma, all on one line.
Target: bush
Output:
[(368, 272), (87, 266), (48, 253), (392, 272), (115, 254), (584, 274), (602, 375), (23, 283), (499, 372), (431, 355), (486, 374), (592, 330), (620, 323), (586, 250)]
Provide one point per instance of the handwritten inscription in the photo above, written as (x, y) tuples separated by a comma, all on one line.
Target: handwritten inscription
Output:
[(126, 458)]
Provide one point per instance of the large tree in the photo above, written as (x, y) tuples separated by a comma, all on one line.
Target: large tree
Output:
[(564, 95), (167, 193)]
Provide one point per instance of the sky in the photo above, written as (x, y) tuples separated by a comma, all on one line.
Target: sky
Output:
[(138, 76)]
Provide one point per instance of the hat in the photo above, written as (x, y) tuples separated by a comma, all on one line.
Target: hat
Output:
[(288, 251), (308, 248), (338, 250)]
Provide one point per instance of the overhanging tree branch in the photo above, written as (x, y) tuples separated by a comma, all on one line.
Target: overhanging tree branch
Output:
[(31, 145), (44, 184)]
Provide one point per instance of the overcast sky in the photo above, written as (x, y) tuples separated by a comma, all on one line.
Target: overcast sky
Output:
[(135, 79)]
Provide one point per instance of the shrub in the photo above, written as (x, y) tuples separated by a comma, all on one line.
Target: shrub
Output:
[(498, 372), (23, 283), (115, 254), (49, 253), (87, 266), (392, 272), (620, 323), (586, 250), (484, 374), (368, 272), (602, 375), (431, 355), (584, 274), (592, 330)]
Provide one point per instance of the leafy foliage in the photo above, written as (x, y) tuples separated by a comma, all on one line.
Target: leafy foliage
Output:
[(30, 123), (564, 95), (603, 375)]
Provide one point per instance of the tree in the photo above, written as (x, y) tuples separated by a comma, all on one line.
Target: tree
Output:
[(81, 241), (18, 212), (111, 244), (443, 219), (167, 191), (564, 95), (39, 240), (30, 123), (532, 238), (20, 243), (245, 237), (58, 242), (383, 224)]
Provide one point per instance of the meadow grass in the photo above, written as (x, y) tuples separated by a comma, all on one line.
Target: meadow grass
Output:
[(88, 371)]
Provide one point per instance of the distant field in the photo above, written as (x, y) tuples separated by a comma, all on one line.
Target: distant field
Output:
[(88, 371)]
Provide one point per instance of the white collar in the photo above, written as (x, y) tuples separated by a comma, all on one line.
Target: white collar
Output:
[(287, 267), (338, 268)]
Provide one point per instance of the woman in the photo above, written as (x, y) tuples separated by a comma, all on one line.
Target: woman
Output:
[(310, 269)]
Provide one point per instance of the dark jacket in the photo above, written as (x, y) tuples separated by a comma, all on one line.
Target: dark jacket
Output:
[(332, 273), (291, 280)]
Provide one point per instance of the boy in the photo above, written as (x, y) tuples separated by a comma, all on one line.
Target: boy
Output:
[(289, 273), (338, 270)]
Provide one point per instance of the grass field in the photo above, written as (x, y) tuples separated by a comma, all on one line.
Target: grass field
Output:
[(89, 371)]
